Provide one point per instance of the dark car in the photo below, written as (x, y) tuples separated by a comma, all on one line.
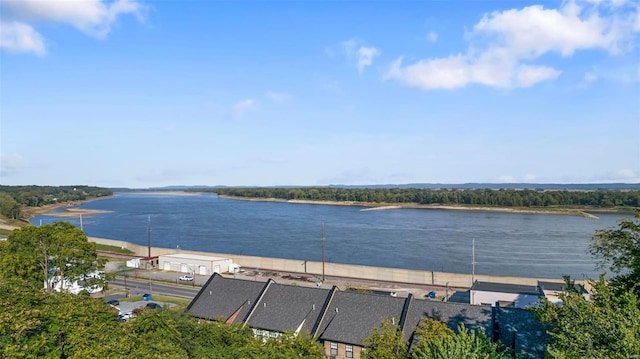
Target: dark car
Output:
[(154, 305), (147, 297), (113, 302)]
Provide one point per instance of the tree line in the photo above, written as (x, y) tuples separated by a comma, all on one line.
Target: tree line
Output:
[(470, 197), (14, 198)]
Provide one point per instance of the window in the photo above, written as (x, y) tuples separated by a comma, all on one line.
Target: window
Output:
[(334, 348), (349, 351), (273, 334)]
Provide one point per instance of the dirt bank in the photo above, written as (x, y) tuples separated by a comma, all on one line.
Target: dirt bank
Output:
[(387, 206)]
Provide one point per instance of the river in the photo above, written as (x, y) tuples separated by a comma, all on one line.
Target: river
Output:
[(513, 244)]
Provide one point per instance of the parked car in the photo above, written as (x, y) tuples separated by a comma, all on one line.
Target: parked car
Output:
[(126, 316), (113, 302), (147, 297), (154, 305), (186, 278)]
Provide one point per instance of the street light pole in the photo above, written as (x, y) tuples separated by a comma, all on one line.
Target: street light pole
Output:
[(323, 251)]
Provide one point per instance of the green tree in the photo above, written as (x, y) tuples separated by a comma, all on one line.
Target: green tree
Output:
[(386, 342), (618, 249), (437, 341), (607, 326), (46, 254)]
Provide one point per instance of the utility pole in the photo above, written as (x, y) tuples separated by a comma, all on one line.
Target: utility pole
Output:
[(149, 238), (323, 251), (473, 261)]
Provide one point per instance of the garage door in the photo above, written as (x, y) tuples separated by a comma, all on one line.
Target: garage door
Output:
[(184, 268), (202, 270), (167, 266), (216, 268)]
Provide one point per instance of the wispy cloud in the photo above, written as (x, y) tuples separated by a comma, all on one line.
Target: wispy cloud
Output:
[(432, 36), (366, 56), (9, 163), (363, 55), (504, 45), (241, 108), (279, 97), (92, 17)]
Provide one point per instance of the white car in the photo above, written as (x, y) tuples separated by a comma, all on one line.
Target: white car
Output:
[(186, 278)]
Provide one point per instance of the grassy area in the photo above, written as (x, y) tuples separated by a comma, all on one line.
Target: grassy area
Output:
[(4, 232), (115, 249)]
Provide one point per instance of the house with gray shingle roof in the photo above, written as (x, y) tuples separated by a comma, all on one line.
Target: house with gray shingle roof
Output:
[(351, 317), (226, 298), (286, 308), (452, 314), (342, 320)]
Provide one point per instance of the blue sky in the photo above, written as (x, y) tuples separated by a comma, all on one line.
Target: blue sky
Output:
[(142, 94)]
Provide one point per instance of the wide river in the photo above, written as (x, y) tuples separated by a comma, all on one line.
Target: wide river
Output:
[(513, 244)]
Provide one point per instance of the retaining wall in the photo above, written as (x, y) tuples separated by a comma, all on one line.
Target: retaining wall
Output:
[(337, 269)]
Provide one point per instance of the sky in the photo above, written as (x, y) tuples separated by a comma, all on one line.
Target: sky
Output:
[(139, 94)]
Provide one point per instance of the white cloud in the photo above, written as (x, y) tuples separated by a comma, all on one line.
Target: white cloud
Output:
[(19, 37), (432, 36), (365, 57), (504, 44), (240, 108), (506, 179), (93, 17), (625, 174), (589, 77), (279, 97)]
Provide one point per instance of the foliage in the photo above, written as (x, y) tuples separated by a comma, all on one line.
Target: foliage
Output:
[(9, 207), (436, 340), (38, 324), (36, 196), (607, 326), (386, 342), (619, 250), (472, 197), (49, 253)]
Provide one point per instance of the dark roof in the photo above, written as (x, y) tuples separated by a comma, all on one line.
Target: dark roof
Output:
[(351, 316), (505, 288), (519, 329), (559, 286), (284, 307), (472, 316), (221, 297)]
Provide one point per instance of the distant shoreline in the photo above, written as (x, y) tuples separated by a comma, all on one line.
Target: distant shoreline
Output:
[(371, 206)]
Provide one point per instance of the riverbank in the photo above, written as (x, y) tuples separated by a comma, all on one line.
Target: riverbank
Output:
[(370, 206)]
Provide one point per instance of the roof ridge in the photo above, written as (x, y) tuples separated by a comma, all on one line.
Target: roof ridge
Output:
[(260, 297), (323, 311)]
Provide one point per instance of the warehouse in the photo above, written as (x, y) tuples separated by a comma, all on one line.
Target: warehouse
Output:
[(194, 264)]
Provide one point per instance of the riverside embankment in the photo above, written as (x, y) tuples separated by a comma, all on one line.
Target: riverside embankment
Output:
[(383, 274)]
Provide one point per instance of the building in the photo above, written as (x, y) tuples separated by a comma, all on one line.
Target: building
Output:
[(507, 295), (194, 263), (552, 290), (342, 320)]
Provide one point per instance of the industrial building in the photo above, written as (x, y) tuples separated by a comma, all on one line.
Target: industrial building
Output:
[(195, 264)]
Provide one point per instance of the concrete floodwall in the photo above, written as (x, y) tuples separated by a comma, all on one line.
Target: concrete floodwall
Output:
[(400, 275)]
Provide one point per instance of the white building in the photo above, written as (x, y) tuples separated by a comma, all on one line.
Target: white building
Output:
[(508, 295), (62, 285), (194, 263)]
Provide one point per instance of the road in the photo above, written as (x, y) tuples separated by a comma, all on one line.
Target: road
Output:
[(137, 286)]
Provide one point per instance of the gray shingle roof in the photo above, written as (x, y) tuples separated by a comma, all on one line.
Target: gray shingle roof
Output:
[(472, 316), (505, 288), (351, 316), (221, 297), (283, 308), (519, 329)]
